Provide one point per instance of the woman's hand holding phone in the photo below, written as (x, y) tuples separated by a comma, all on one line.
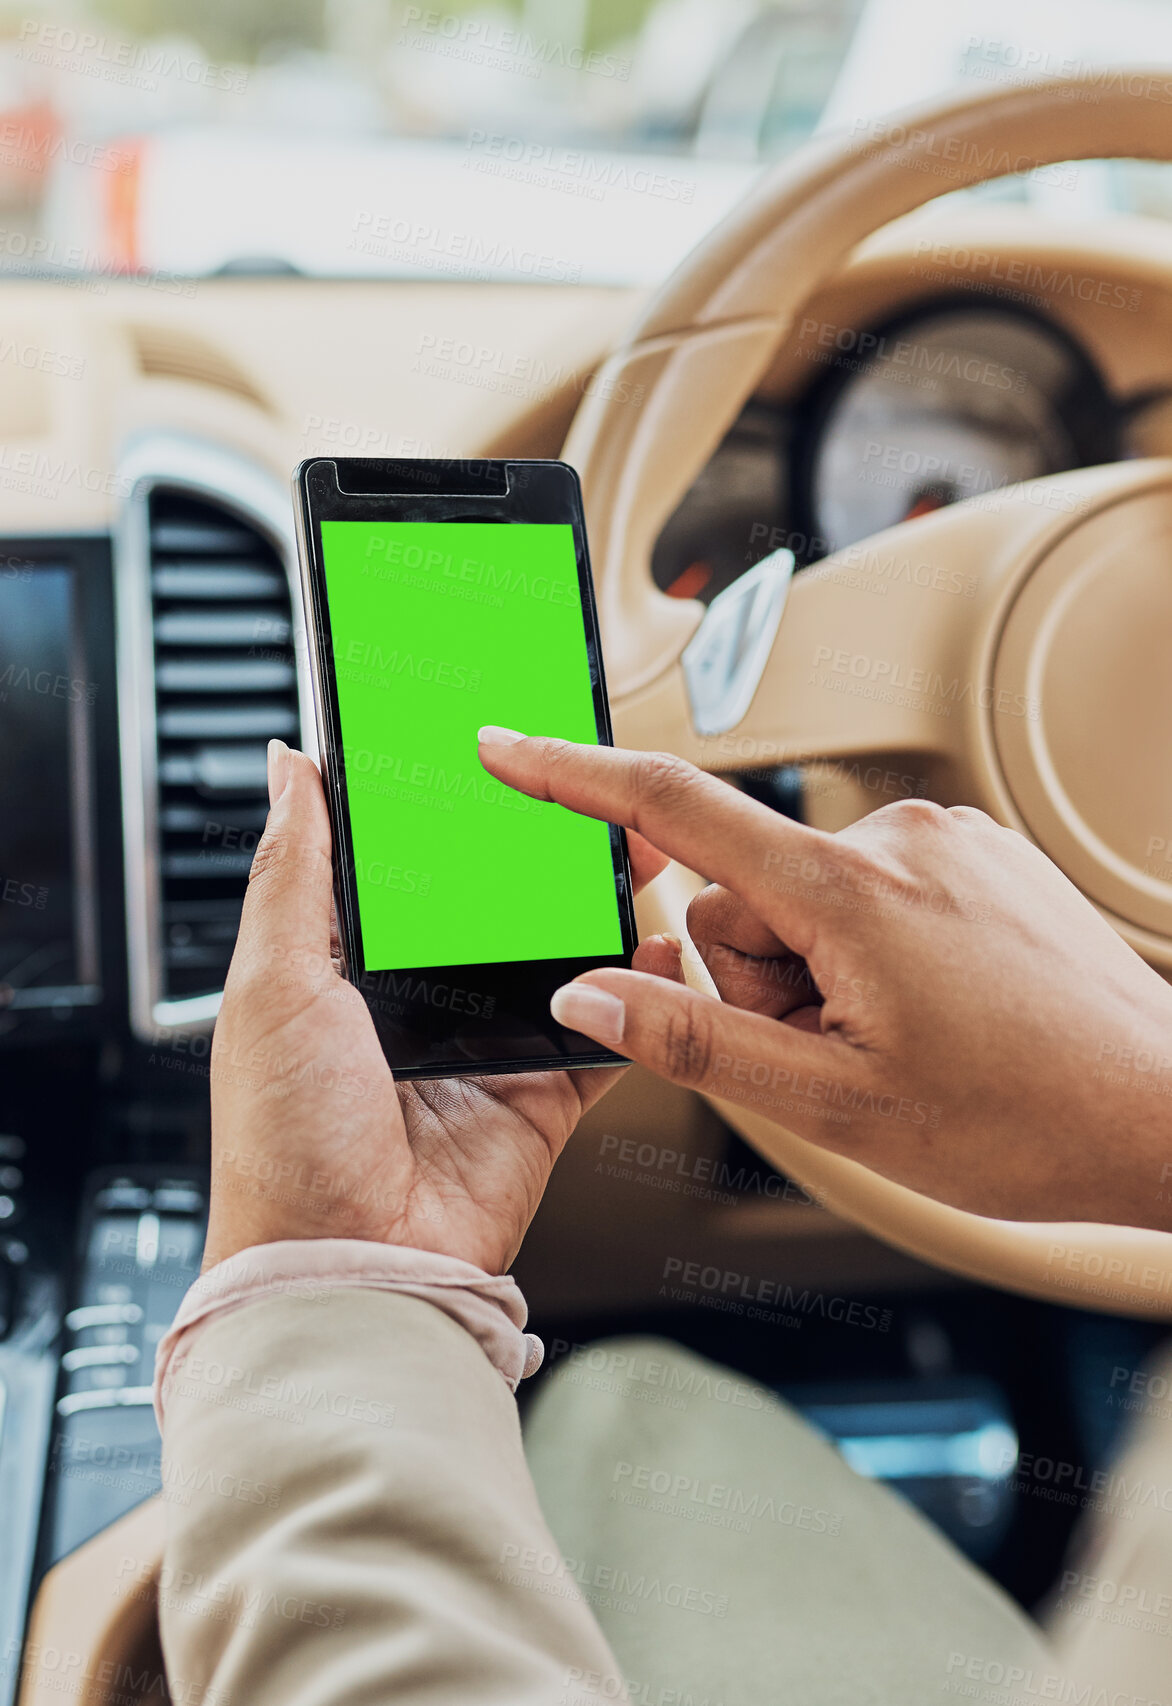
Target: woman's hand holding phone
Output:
[(924, 991), (311, 1136)]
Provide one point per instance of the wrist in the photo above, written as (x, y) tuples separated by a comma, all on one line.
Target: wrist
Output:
[(235, 1227), (259, 1199), (1132, 1114), (490, 1307)]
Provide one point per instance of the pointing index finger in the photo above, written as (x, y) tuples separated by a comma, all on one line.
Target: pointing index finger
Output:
[(696, 818)]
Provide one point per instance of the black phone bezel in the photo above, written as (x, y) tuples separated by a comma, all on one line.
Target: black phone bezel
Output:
[(505, 1025)]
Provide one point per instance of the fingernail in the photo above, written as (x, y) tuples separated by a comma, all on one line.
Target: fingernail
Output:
[(583, 1007), (278, 767), (490, 735), (674, 941)]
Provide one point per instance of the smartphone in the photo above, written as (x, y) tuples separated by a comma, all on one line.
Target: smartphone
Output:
[(441, 596)]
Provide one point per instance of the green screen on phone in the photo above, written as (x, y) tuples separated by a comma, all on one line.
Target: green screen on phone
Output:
[(439, 627)]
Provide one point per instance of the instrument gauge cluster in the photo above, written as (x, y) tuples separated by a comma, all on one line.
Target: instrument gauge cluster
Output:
[(953, 400)]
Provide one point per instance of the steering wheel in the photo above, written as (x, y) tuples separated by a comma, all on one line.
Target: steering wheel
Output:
[(1045, 698)]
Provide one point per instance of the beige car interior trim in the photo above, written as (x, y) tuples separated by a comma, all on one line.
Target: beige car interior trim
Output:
[(93, 1636), (702, 347)]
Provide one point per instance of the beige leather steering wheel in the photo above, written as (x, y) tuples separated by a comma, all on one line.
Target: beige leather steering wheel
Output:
[(1045, 699)]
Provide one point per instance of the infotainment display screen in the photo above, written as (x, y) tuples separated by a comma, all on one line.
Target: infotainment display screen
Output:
[(48, 946)]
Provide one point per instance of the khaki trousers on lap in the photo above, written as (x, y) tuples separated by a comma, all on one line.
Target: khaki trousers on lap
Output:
[(731, 1556)]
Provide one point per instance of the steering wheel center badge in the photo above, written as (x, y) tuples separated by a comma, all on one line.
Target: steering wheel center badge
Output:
[(724, 660)]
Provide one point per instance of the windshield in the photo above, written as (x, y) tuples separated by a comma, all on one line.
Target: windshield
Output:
[(550, 141)]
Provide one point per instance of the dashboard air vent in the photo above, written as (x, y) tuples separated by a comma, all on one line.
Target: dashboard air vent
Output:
[(225, 682)]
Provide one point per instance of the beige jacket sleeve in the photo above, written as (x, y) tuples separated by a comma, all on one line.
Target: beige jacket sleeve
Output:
[(350, 1519)]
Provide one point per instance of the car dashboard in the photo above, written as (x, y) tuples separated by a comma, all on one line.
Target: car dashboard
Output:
[(151, 642)]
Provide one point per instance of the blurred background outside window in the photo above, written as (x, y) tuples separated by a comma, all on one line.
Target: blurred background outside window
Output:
[(560, 141)]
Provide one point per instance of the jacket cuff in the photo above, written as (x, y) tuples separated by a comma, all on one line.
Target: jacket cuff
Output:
[(489, 1306)]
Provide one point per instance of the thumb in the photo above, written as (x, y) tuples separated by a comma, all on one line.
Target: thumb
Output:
[(286, 916), (791, 1076)]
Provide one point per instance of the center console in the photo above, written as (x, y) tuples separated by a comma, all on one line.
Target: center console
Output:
[(141, 1242), (79, 1447)]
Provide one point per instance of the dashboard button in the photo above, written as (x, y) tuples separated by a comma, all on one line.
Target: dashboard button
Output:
[(126, 1397), (123, 1194), (177, 1199), (98, 1356), (103, 1315)]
